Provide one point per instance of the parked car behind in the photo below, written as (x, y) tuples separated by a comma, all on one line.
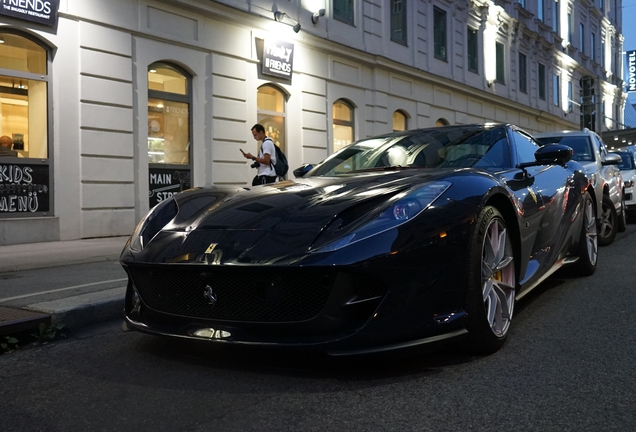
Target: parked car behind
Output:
[(628, 172), (602, 170)]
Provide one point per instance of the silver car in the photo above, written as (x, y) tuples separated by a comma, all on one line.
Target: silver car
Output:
[(601, 168), (628, 171)]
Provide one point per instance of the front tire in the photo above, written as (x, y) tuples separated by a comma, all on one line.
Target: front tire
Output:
[(608, 223), (622, 218), (587, 251), (490, 295)]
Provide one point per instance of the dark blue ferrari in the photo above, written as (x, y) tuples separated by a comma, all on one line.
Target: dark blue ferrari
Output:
[(397, 240)]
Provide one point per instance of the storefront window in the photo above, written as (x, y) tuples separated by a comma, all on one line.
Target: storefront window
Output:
[(342, 125), (168, 116), (168, 132), (23, 98), (271, 114), (24, 126)]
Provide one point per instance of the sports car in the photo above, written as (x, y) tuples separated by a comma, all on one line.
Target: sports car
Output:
[(409, 238)]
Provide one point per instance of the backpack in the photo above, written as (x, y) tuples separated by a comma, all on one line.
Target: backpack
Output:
[(281, 166)]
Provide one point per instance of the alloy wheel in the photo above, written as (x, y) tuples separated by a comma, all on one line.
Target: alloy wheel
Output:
[(591, 233), (498, 276), (607, 222)]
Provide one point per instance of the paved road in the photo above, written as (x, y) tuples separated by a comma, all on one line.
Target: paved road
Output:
[(567, 367)]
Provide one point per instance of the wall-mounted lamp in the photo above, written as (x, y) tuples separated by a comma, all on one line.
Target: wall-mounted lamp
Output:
[(316, 15), (278, 16)]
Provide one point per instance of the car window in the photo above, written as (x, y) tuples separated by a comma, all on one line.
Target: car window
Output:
[(627, 161), (525, 146), (601, 146), (581, 145)]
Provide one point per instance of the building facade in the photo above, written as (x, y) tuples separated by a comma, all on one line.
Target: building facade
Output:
[(114, 106)]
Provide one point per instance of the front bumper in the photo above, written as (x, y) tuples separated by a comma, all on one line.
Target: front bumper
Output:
[(338, 310)]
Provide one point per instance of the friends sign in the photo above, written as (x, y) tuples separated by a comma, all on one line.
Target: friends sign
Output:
[(278, 58), (40, 11)]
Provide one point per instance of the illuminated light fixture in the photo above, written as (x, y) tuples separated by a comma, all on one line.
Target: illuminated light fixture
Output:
[(316, 15), (278, 16), (152, 71), (1, 41)]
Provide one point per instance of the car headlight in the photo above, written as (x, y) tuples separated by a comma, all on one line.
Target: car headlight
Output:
[(629, 183), (406, 208), (157, 218)]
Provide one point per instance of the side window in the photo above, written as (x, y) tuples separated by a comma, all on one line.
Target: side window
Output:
[(342, 124), (600, 145), (271, 113), (526, 147)]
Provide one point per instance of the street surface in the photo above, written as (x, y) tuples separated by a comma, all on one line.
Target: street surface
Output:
[(568, 366)]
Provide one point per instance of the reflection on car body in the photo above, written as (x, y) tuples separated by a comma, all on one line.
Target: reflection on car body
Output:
[(403, 239), (605, 177)]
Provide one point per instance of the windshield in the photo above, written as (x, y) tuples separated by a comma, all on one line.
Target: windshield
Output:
[(443, 147), (580, 144)]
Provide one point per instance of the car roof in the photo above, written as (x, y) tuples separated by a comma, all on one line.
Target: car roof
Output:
[(584, 132)]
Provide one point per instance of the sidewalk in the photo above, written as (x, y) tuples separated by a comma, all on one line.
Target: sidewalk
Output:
[(73, 310)]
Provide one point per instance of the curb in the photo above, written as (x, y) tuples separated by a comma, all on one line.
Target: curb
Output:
[(84, 309)]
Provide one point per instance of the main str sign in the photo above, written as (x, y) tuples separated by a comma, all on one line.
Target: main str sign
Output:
[(40, 11)]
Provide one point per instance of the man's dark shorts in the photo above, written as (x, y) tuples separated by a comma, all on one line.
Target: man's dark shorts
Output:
[(261, 180)]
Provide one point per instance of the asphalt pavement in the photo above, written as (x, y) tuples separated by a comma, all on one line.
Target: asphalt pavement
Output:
[(72, 309)]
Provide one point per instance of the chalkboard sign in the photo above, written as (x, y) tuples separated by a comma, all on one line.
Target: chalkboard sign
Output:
[(165, 182), (24, 188)]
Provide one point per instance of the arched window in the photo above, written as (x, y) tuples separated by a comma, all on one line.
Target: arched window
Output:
[(343, 126), (169, 101), (399, 121), (23, 97), (270, 103), (168, 115), (442, 122)]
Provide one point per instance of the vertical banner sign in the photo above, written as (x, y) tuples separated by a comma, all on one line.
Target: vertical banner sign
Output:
[(40, 11), (165, 182), (631, 71), (278, 58), (24, 188)]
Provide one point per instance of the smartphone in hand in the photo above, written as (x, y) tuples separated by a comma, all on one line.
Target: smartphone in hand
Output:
[(242, 152)]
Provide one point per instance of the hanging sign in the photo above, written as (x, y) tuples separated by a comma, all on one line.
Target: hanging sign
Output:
[(40, 11), (278, 58), (631, 71)]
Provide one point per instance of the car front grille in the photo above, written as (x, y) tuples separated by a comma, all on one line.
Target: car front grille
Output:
[(242, 294)]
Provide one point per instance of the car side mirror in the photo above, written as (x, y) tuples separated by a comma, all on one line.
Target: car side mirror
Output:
[(612, 159), (302, 170), (551, 154)]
